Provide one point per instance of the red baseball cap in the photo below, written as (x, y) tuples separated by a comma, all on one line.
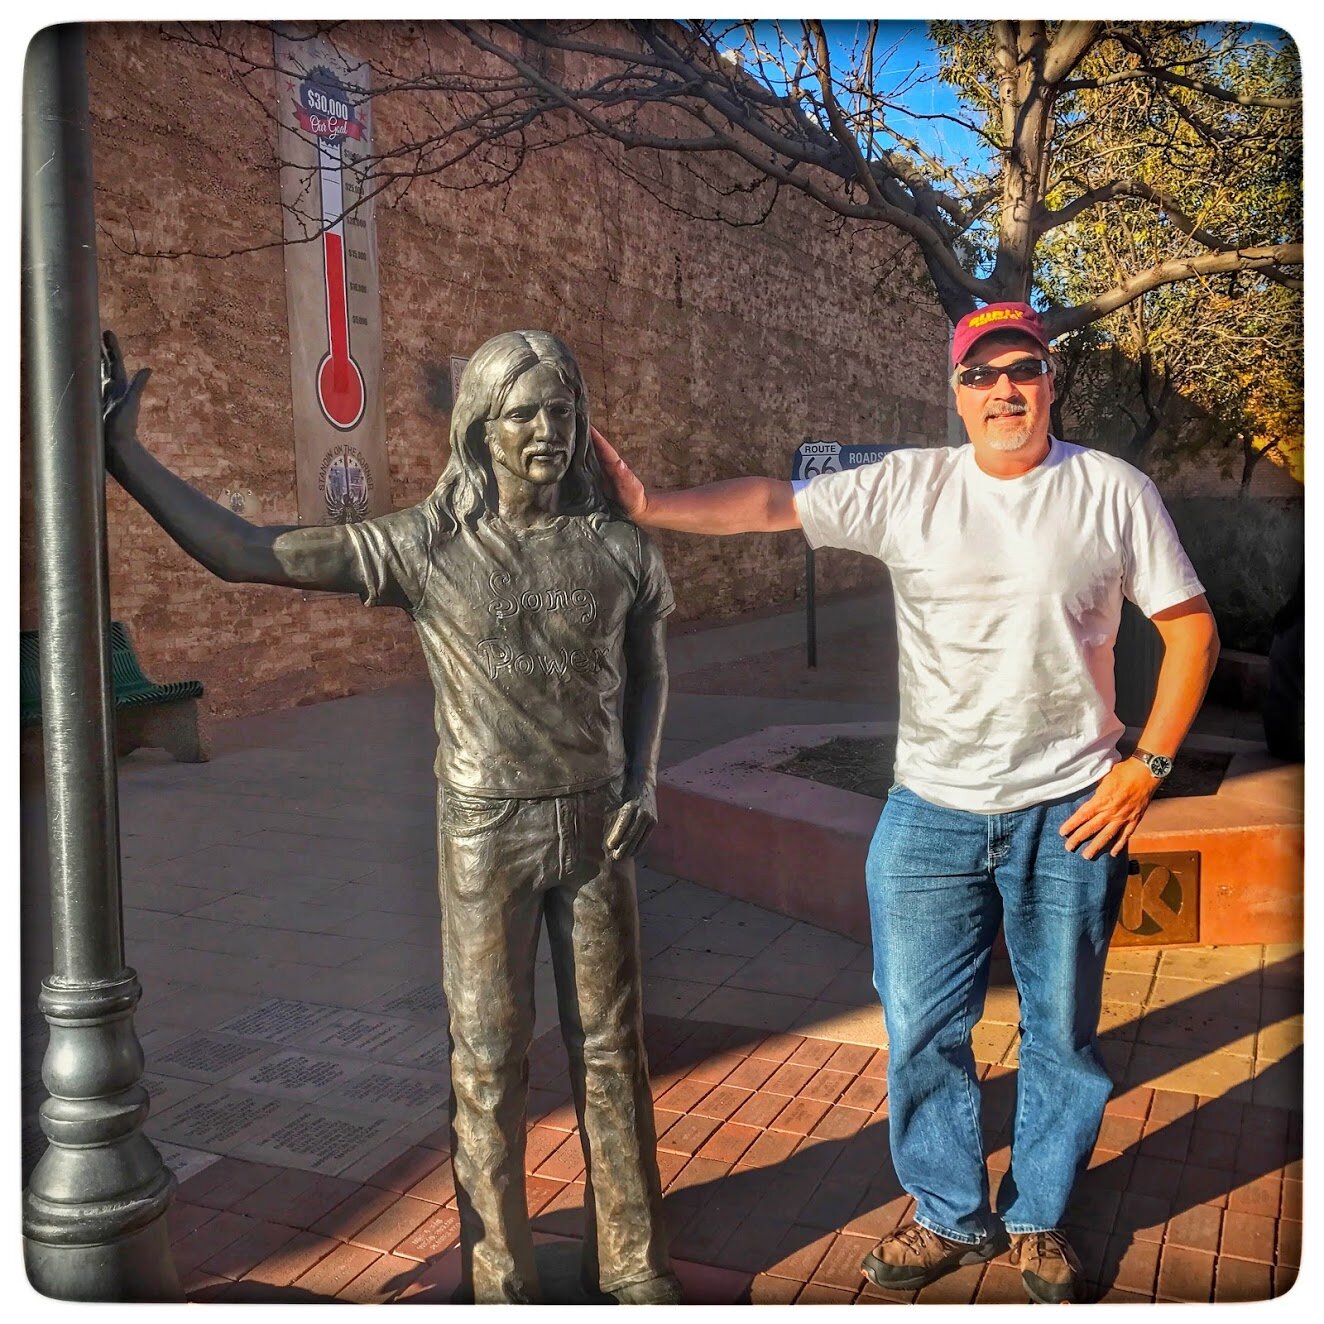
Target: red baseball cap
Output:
[(973, 327)]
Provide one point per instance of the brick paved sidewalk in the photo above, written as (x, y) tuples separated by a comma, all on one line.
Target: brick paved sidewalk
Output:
[(281, 910), (773, 1153)]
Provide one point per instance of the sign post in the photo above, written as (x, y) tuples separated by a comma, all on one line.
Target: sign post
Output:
[(812, 458)]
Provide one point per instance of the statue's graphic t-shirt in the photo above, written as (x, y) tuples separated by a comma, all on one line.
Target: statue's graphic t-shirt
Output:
[(523, 631)]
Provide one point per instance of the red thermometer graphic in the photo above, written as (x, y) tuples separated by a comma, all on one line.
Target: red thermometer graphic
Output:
[(340, 389)]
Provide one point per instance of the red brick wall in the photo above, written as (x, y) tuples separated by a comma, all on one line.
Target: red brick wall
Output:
[(709, 352)]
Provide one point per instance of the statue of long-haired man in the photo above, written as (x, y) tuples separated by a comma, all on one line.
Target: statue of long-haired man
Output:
[(541, 613)]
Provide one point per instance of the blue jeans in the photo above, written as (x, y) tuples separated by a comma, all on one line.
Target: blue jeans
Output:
[(940, 881)]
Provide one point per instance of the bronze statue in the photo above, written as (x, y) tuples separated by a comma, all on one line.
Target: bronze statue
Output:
[(541, 613)]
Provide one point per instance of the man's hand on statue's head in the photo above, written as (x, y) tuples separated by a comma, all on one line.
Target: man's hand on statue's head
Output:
[(120, 398), (621, 482), (629, 827)]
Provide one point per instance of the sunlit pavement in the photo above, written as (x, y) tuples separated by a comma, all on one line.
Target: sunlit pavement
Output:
[(280, 909)]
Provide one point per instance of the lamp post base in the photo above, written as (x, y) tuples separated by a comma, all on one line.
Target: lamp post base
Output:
[(136, 1267)]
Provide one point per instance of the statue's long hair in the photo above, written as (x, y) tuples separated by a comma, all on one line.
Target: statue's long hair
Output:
[(466, 490)]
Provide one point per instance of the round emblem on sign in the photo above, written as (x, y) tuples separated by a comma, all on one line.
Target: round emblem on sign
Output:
[(346, 483)]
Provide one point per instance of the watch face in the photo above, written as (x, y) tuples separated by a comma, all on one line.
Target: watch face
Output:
[(1160, 765)]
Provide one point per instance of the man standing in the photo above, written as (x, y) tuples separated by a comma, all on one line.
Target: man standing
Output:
[(1009, 560)]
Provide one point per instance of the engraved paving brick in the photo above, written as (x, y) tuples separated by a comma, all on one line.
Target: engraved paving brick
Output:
[(295, 1198), (183, 1219), (1262, 1196), (166, 1091), (383, 1280), (565, 1162), (1145, 1216), (716, 1068), (865, 1092), (1185, 1275), (564, 1213), (820, 1294), (437, 1233), (729, 1142), (392, 1091), (260, 1240), (687, 1135), (358, 1032), (1242, 1280), (759, 1109), (293, 1259), (281, 1020), (957, 1288), (293, 1074), (1197, 1228), (682, 1096), (777, 1047), (814, 1052), (838, 1122), (539, 1192), (1248, 1236), (721, 1102), (354, 1212), (670, 1165), (223, 1183), (217, 1119), (1135, 1264), (193, 1250), (408, 1169), (799, 1116), (767, 1290), (748, 1245), (771, 1147), (319, 1140), (751, 1073), (788, 1079), (438, 1186), (827, 1085), (402, 1217), (419, 1002), (336, 1269), (207, 1056), (840, 1267), (798, 1253), (540, 1142)]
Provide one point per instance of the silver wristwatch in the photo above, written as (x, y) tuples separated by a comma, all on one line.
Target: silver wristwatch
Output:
[(1158, 764)]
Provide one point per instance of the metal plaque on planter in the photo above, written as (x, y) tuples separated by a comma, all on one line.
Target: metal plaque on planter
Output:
[(1161, 903)]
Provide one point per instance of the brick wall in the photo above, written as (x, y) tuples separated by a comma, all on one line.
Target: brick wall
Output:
[(709, 352)]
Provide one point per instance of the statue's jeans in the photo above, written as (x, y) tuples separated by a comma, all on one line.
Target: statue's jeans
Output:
[(504, 865)]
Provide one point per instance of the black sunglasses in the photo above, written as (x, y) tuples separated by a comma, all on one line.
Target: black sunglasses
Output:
[(985, 376)]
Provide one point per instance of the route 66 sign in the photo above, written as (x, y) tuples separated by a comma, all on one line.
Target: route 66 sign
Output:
[(816, 457), (827, 457)]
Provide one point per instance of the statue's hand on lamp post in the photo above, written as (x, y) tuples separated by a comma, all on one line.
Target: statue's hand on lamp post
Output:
[(120, 401)]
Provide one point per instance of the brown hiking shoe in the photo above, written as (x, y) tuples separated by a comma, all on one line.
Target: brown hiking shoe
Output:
[(1049, 1267), (913, 1256)]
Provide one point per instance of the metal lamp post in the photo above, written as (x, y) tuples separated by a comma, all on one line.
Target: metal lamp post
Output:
[(94, 1211)]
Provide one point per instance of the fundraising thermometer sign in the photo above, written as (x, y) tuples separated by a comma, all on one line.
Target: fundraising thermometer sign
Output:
[(331, 285)]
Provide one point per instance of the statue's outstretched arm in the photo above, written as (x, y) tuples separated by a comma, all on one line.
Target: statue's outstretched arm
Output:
[(313, 557)]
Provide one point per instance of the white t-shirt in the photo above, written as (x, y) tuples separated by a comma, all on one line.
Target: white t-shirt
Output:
[(1008, 597)]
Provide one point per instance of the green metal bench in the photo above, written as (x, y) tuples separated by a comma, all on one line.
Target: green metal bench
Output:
[(147, 715)]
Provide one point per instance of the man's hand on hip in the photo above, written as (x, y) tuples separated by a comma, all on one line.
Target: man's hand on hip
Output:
[(1108, 818)]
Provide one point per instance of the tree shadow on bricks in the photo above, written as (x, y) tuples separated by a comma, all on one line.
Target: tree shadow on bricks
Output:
[(808, 1216)]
